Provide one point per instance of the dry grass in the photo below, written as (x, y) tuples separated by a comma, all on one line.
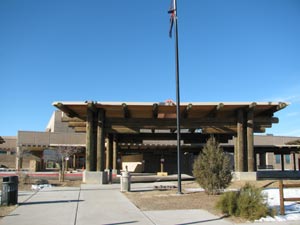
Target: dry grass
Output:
[(170, 200)]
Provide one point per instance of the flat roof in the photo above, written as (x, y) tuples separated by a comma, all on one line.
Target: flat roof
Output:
[(210, 117)]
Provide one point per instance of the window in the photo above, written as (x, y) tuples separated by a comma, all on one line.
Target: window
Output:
[(277, 159), (287, 159), (2, 152)]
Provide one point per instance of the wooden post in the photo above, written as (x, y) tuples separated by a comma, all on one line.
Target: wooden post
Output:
[(250, 148), (19, 159), (89, 141), (262, 160), (100, 140), (281, 198), (294, 161), (236, 154), (115, 153), (74, 166), (240, 141), (282, 162), (161, 165), (108, 152)]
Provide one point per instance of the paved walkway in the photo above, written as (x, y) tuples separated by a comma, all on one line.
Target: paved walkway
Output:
[(100, 205)]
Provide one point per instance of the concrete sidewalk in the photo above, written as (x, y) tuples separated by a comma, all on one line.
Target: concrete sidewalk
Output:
[(100, 204)]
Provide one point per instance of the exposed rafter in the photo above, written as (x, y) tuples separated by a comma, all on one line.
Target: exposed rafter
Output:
[(131, 116), (77, 124), (186, 110), (67, 110), (214, 112), (125, 110), (281, 106), (252, 106), (91, 106), (155, 110)]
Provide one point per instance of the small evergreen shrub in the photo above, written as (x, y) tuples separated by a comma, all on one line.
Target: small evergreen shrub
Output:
[(251, 204), (228, 203), (211, 168), (248, 203)]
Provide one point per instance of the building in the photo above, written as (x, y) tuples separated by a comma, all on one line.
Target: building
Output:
[(129, 125), (142, 136)]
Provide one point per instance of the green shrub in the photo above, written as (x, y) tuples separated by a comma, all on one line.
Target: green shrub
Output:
[(228, 203), (248, 203), (212, 168), (251, 204)]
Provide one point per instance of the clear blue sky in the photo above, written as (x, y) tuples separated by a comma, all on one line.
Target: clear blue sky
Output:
[(119, 50)]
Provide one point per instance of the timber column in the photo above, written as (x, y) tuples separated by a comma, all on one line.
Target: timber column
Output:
[(240, 143), (19, 159), (115, 153), (90, 141), (100, 140), (108, 155), (250, 142)]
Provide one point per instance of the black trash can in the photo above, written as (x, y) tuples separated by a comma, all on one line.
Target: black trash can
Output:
[(9, 190)]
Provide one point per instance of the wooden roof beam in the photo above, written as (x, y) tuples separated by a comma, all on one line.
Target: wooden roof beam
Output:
[(125, 110), (252, 106), (186, 110), (192, 130), (271, 111), (155, 110), (65, 118), (143, 123), (214, 112), (66, 109), (77, 124), (80, 129), (281, 105), (91, 106), (173, 130)]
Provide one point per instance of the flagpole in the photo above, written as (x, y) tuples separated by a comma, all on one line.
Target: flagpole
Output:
[(177, 99)]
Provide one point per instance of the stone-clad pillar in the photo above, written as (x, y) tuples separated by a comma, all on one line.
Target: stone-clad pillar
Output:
[(108, 152), (240, 142), (100, 140), (90, 155), (250, 142), (19, 158), (115, 152)]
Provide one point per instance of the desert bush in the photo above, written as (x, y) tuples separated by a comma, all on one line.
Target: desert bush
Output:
[(228, 202), (212, 168), (248, 203), (251, 203)]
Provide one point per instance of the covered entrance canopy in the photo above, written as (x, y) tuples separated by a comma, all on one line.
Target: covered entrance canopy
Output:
[(138, 121)]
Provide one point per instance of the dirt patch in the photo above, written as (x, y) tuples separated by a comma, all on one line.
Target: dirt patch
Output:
[(170, 200)]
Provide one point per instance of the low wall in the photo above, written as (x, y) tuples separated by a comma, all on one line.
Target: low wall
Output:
[(278, 174)]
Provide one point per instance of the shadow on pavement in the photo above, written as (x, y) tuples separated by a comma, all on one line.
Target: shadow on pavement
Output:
[(50, 202), (203, 221)]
